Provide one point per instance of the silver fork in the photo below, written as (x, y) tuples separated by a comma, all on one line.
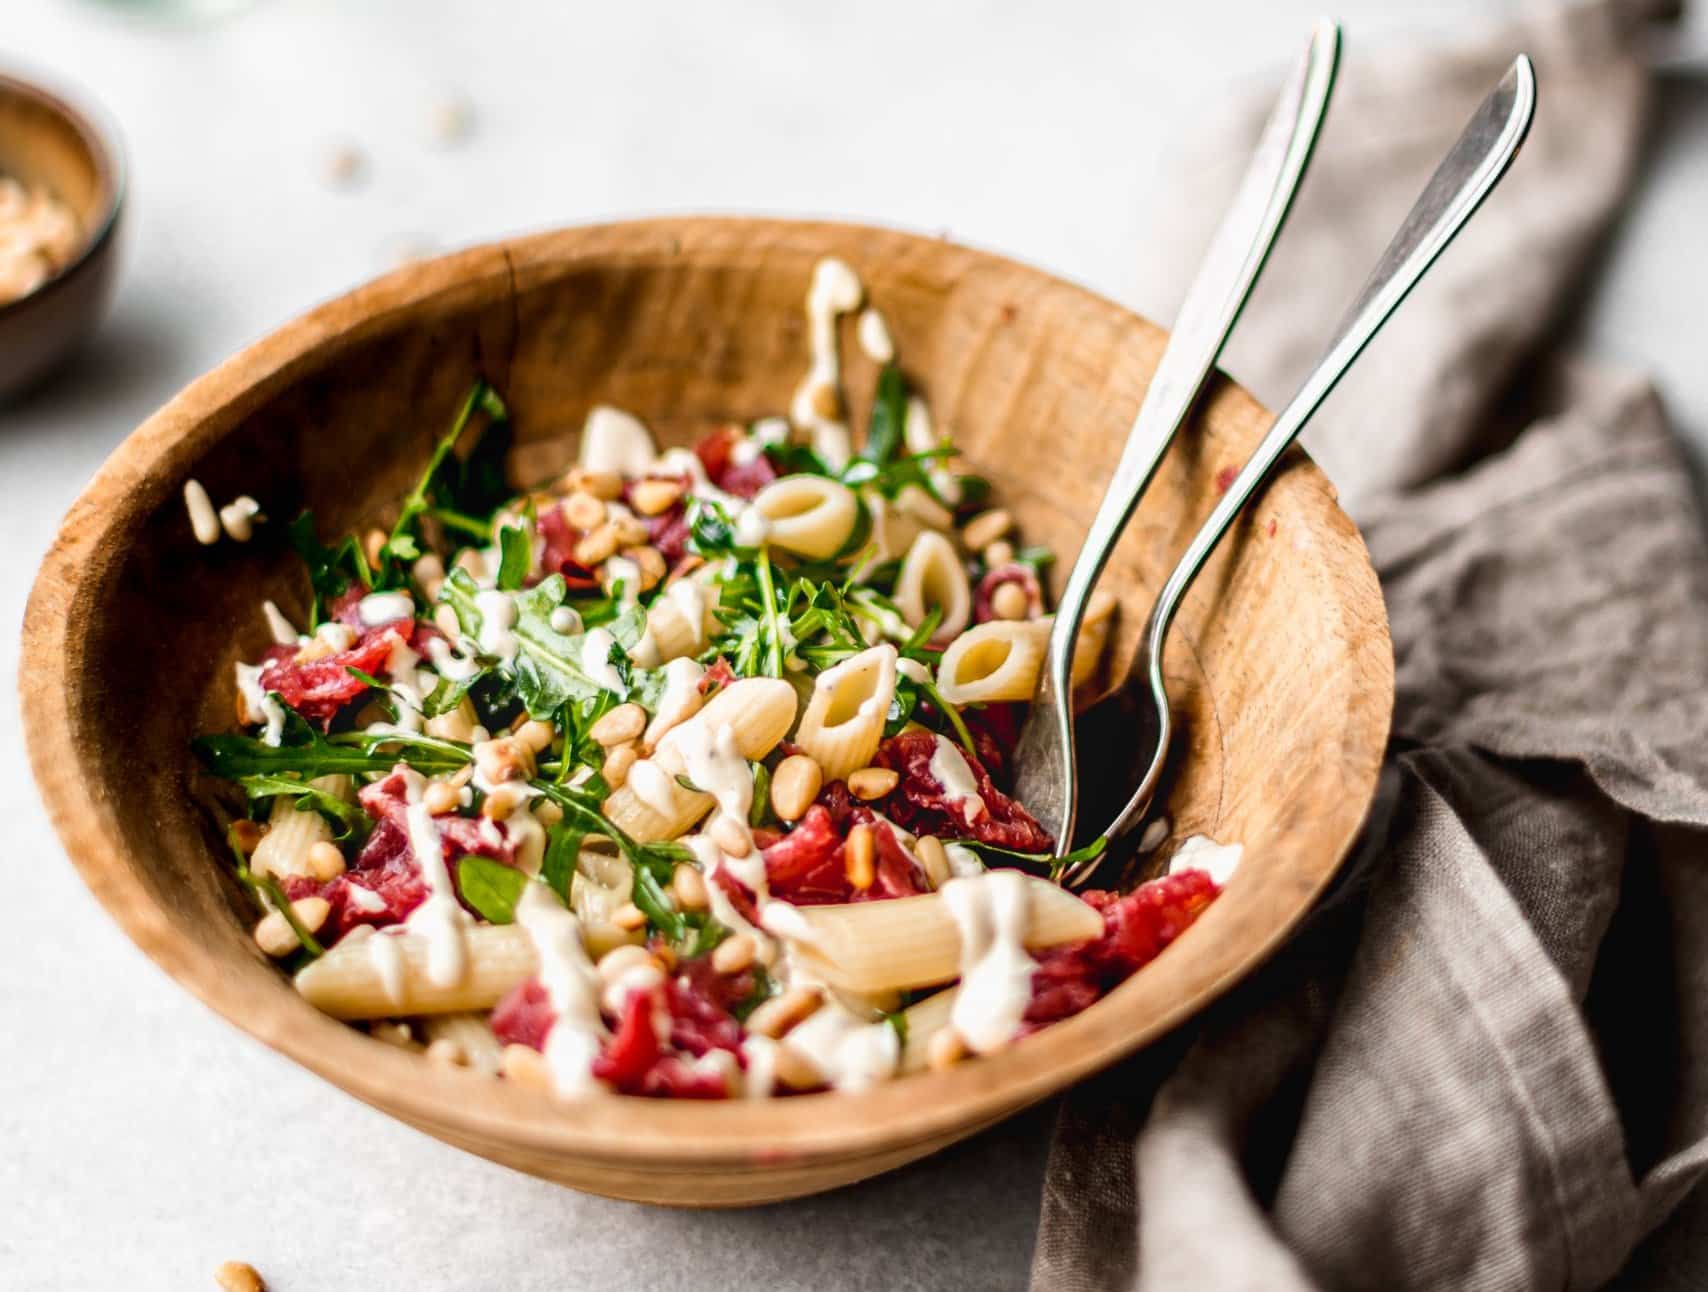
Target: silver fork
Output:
[(1046, 778), (1466, 176)]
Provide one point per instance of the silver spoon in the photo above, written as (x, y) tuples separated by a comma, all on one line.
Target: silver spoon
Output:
[(1465, 177), (1044, 759)]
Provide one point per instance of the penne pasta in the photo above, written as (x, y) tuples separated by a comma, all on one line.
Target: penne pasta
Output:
[(677, 622), (292, 831), (933, 578), (994, 661), (654, 805), (476, 1048), (811, 516), (844, 720), (385, 975), (925, 1018), (909, 942), (617, 442)]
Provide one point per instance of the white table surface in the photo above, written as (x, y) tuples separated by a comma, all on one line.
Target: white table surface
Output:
[(142, 1139)]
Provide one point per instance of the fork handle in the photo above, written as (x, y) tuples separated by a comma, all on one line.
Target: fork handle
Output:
[(1465, 177)]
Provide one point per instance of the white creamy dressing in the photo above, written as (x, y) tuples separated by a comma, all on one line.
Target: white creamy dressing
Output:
[(449, 663), (596, 660), (440, 919), (761, 1072), (238, 518), (497, 618), (613, 440), (284, 633), (950, 770), (408, 689), (335, 635), (257, 699), (874, 336), (621, 570), (689, 598), (921, 437), (385, 607), (204, 520), (386, 956), (1218, 860), (991, 913), (849, 1052), (835, 291), (653, 786), (572, 986), (365, 900), (964, 863), (914, 670), (1153, 835), (751, 529), (565, 620), (644, 976)]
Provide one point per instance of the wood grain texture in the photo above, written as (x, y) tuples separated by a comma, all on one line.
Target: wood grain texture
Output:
[(1281, 667)]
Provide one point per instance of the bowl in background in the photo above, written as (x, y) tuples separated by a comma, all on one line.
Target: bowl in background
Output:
[(1280, 665), (45, 141)]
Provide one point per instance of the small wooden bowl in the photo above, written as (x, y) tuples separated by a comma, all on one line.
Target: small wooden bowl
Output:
[(1281, 664), (45, 141)]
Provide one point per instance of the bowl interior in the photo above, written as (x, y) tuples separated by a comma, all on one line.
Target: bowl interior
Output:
[(44, 141), (1280, 667)]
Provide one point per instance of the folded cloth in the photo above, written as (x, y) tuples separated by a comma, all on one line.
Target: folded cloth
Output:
[(1484, 1062)]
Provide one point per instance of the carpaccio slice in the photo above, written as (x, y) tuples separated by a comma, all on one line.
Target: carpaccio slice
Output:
[(557, 551), (743, 479), (319, 688), (919, 804), (808, 866)]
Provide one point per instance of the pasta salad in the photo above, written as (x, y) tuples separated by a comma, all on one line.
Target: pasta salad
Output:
[(683, 773)]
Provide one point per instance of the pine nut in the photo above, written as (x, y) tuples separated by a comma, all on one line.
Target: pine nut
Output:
[(440, 798), (650, 562), (500, 804), (794, 786), (374, 545), (273, 933), (1009, 601), (604, 485), (998, 554), (620, 725), (630, 531), (583, 511), (239, 1276), (654, 497), (932, 855), (629, 917), (315, 648), (826, 401), (547, 812), (598, 547), (986, 527), (445, 619), (688, 887), (472, 563), (525, 1067), (537, 735), (603, 938), (872, 782), (324, 861), (625, 960), (794, 1072), (733, 954), (504, 759), (428, 569), (397, 1034), (947, 1048), (617, 764), (777, 1015), (729, 835), (447, 1053), (859, 858)]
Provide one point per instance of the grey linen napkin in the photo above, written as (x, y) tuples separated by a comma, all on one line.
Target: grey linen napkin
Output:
[(1484, 1063)]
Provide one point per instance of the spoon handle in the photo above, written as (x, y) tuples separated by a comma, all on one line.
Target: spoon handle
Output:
[(1237, 252), (1465, 177)]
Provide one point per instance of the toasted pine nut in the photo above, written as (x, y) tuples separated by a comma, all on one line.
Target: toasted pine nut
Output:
[(392, 1033), (654, 497), (598, 547), (629, 917), (777, 1015), (536, 735), (604, 485), (733, 954), (688, 887), (500, 803), (246, 834), (665, 954), (1009, 601), (729, 835), (872, 782), (793, 1071), (986, 527), (650, 562), (447, 622), (826, 401), (620, 725), (623, 960), (860, 857), (428, 569), (273, 933), (504, 759), (617, 764), (998, 553), (583, 511), (374, 544), (947, 1048), (440, 798), (929, 849), (324, 861), (315, 648), (447, 1053), (547, 812), (239, 1276), (602, 938), (471, 562), (525, 1067), (630, 530), (794, 786), (685, 566)]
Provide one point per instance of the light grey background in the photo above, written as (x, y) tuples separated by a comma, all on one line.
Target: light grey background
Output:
[(142, 1140)]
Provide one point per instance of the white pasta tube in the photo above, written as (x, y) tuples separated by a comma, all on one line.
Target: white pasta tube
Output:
[(615, 441), (678, 621), (385, 975), (998, 660), (909, 942), (292, 831), (458, 724), (844, 720), (893, 531), (925, 1018), (476, 1048), (653, 804), (811, 516), (932, 577), (921, 437), (1093, 637)]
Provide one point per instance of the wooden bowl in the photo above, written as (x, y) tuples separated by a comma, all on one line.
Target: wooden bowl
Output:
[(45, 141), (1281, 664)]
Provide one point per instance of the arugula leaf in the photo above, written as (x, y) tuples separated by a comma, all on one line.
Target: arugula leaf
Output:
[(1053, 865), (491, 887), (761, 795), (270, 896), (651, 863), (706, 934), (897, 1018), (346, 818), (563, 852), (330, 569), (889, 417), (449, 489), (1034, 558), (950, 714), (304, 751), (517, 546)]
